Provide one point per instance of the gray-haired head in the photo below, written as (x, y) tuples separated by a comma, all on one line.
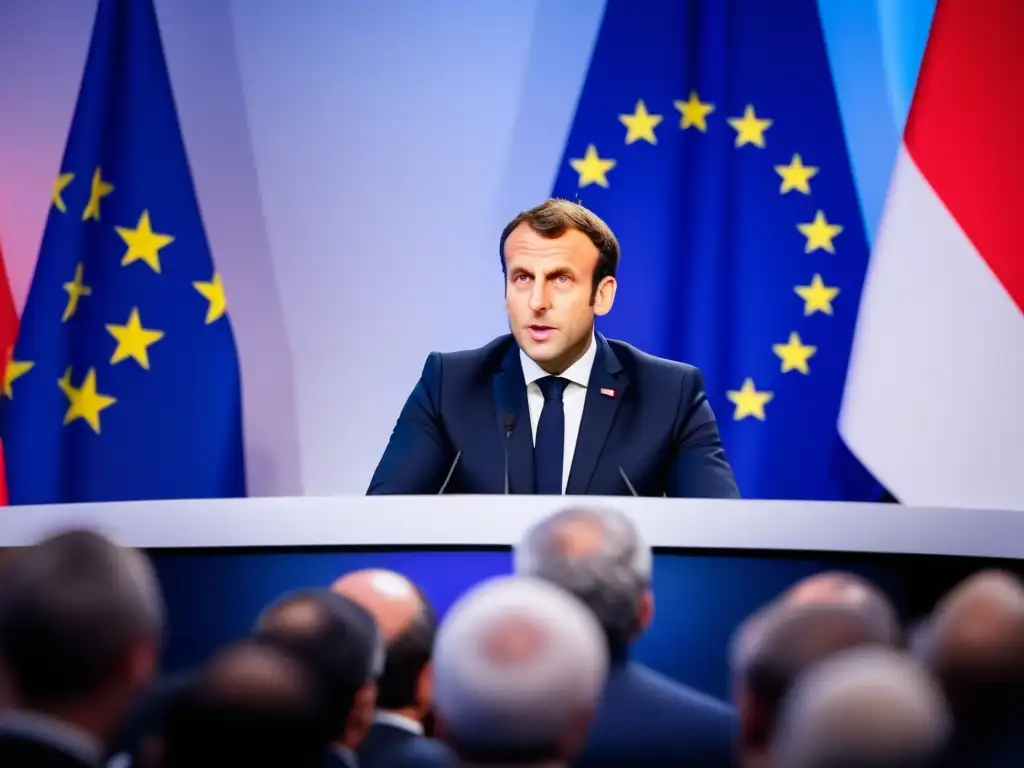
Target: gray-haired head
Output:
[(72, 609), (596, 554), (519, 667), (864, 707)]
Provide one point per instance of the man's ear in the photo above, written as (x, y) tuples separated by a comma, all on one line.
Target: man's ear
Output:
[(604, 296)]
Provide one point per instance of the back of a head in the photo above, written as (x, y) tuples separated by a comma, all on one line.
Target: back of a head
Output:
[(843, 588), (782, 643), (863, 708), (252, 704), (335, 636), (72, 606), (974, 644), (598, 555), (519, 666), (408, 627)]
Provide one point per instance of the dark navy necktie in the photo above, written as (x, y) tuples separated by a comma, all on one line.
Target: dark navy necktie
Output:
[(549, 447)]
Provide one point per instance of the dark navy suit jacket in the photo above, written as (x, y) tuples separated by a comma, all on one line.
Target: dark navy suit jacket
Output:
[(643, 414), (389, 747), (646, 720)]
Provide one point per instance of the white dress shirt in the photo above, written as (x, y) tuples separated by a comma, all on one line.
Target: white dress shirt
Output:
[(573, 399)]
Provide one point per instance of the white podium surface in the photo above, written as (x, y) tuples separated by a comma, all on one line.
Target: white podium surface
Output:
[(360, 521)]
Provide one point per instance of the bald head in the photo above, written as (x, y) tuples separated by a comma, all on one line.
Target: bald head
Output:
[(408, 626), (974, 643), (598, 555), (839, 587), (519, 668), (864, 707)]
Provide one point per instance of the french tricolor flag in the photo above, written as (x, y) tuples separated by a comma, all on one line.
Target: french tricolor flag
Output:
[(934, 399)]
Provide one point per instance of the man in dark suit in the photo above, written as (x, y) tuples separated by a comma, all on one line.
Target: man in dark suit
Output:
[(80, 626), (644, 719), (408, 625), (342, 642), (555, 407), (253, 703)]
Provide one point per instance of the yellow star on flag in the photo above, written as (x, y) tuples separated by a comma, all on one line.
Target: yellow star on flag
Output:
[(819, 233), (13, 371), (640, 124), (213, 291), (693, 112), (143, 243), (592, 168), (59, 186), (817, 296), (76, 289), (748, 401), (100, 189), (84, 402), (133, 341), (796, 176), (794, 354), (750, 128)]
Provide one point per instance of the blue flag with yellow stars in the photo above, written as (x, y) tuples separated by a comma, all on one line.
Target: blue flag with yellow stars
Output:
[(708, 137), (124, 380)]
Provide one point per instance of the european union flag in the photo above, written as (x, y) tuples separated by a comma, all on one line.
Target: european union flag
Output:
[(124, 382), (707, 135)]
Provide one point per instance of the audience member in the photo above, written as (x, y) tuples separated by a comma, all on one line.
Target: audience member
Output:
[(518, 670), (598, 555), (252, 704), (776, 645), (341, 641), (408, 626), (862, 708), (846, 589), (80, 627), (974, 644)]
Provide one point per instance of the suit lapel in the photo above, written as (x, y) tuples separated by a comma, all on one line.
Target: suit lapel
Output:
[(510, 398), (607, 387)]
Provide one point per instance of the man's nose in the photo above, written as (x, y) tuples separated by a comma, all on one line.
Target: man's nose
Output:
[(539, 296)]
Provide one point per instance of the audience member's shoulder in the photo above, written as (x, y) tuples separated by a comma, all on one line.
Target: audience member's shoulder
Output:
[(643, 365), (681, 695)]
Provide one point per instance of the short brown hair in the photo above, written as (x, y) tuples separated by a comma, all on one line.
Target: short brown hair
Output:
[(553, 217)]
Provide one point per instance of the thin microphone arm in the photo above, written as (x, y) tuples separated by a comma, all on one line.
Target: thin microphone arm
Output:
[(450, 473), (510, 423), (629, 485)]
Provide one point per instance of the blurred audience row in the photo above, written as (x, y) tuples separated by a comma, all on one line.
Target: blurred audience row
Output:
[(531, 669)]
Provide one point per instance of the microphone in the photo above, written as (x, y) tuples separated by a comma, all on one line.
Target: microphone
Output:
[(450, 473), (625, 479), (510, 423)]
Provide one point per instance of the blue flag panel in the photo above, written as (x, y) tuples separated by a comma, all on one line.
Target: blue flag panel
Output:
[(707, 135), (127, 375)]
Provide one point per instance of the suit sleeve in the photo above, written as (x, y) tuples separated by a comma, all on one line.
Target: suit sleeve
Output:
[(418, 454), (699, 467)]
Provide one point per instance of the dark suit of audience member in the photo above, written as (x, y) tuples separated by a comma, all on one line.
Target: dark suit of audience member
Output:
[(341, 640), (80, 622), (974, 645), (644, 719), (774, 647), (408, 625), (252, 704)]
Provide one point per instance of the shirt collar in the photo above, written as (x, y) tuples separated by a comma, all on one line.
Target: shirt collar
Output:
[(396, 720), (577, 373), (347, 756), (56, 733)]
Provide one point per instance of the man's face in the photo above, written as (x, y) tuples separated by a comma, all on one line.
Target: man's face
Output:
[(547, 295)]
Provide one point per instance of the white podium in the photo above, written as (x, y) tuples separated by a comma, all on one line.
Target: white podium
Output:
[(427, 521)]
